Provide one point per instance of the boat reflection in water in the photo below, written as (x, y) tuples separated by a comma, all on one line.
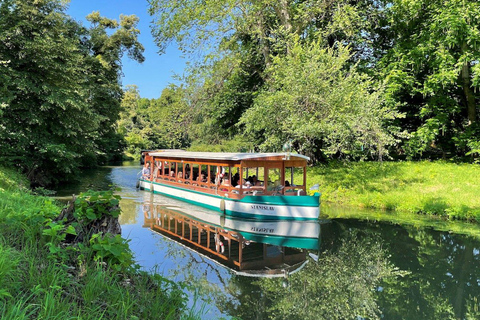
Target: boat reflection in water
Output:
[(246, 247)]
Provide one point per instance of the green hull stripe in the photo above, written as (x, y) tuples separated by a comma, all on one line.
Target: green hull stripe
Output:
[(186, 200), (292, 242), (277, 240), (297, 201), (244, 215)]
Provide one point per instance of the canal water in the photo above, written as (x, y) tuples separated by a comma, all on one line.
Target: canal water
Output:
[(362, 268)]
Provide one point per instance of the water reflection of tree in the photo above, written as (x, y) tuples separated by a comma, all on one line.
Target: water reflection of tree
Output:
[(356, 277), (443, 283), (342, 284)]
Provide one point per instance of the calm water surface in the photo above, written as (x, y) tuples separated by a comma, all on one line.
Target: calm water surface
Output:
[(362, 268)]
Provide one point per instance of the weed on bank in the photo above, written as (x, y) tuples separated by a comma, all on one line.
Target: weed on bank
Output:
[(45, 276)]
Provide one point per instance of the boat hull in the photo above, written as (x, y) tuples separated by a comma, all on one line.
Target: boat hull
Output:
[(250, 207)]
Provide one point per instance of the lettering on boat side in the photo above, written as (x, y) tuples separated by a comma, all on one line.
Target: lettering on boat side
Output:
[(256, 206), (262, 230)]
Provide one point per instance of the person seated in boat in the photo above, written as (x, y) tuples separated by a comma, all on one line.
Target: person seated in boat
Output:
[(238, 186), (235, 179), (225, 184), (180, 176), (287, 184), (187, 171), (254, 180), (146, 172), (201, 178)]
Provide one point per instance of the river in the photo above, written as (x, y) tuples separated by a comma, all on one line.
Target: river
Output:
[(363, 268)]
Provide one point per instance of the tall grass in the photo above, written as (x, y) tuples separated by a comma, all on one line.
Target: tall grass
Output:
[(34, 284), (433, 188)]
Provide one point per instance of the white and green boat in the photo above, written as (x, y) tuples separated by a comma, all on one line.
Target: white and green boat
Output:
[(262, 186)]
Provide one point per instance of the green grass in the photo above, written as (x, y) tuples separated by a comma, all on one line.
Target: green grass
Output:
[(432, 188), (34, 284)]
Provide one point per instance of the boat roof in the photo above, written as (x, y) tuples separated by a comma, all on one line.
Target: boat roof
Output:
[(226, 156)]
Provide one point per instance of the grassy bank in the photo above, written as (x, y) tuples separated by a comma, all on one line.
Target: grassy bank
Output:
[(43, 278), (432, 188)]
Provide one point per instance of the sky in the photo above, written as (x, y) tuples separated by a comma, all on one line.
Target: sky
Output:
[(151, 76)]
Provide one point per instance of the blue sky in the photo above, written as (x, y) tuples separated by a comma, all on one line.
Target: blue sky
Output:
[(157, 71)]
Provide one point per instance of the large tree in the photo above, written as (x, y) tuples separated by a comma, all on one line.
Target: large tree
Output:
[(243, 43), (60, 87), (322, 106), (430, 61)]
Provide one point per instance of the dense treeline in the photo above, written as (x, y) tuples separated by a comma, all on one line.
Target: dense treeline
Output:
[(341, 79), (59, 88), (338, 79)]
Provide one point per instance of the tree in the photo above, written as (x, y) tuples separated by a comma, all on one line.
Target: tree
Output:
[(155, 123), (239, 40), (430, 62), (321, 105), (61, 91)]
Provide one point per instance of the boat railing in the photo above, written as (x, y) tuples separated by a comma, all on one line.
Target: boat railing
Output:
[(229, 190)]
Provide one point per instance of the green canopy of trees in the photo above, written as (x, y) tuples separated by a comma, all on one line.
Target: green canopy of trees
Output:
[(349, 79), (59, 87)]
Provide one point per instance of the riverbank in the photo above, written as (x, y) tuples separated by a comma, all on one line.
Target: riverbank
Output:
[(42, 277), (432, 188)]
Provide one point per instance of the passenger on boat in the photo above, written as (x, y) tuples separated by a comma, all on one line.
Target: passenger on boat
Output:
[(225, 185), (180, 176), (146, 172), (235, 179)]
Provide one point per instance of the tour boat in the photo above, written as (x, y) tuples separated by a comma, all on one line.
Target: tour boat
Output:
[(263, 186)]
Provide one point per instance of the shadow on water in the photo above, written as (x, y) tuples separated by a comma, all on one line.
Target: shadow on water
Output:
[(398, 269)]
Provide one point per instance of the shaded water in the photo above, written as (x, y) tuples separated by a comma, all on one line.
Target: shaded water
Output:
[(363, 268)]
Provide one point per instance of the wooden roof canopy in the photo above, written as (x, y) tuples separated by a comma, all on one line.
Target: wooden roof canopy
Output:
[(224, 156)]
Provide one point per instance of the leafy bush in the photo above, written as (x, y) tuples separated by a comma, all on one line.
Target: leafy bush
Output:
[(93, 205)]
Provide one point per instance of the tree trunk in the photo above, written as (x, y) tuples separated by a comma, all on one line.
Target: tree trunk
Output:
[(284, 16), (467, 90), (263, 41)]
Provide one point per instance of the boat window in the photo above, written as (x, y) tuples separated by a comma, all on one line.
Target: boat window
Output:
[(166, 167), (213, 170), (254, 175), (274, 177), (203, 175), (187, 174), (195, 171), (297, 176)]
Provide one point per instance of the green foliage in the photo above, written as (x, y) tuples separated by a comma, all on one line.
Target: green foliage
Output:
[(434, 188), (324, 107), (263, 62), (61, 94), (93, 205), (432, 72), (37, 283), (155, 123), (113, 250)]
